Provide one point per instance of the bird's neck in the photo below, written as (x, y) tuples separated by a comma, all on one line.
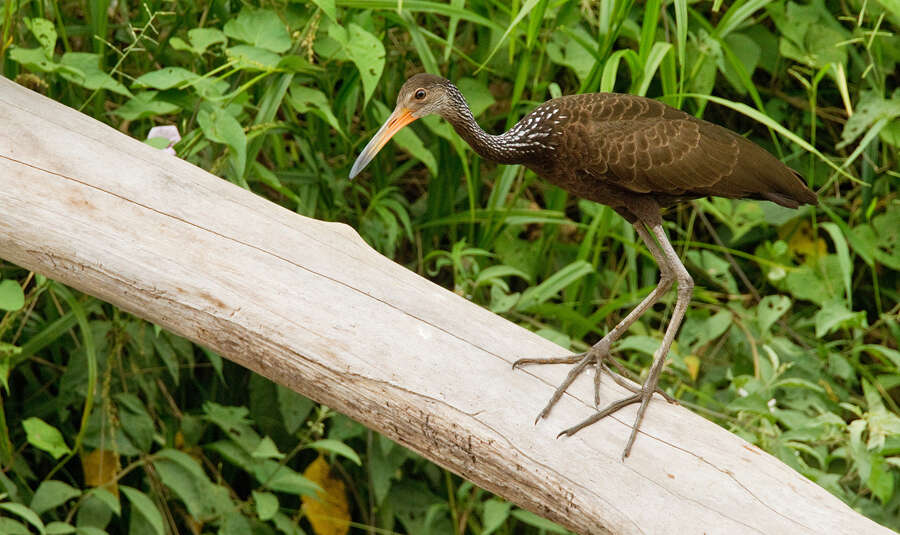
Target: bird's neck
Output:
[(504, 148)]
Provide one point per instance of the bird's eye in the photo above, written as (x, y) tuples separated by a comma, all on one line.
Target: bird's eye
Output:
[(420, 94)]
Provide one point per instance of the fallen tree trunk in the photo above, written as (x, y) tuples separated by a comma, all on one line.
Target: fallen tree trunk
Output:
[(309, 305)]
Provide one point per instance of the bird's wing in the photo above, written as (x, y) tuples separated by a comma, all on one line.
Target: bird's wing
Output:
[(670, 156), (643, 146)]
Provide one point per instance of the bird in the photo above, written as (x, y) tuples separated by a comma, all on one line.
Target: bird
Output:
[(634, 154)]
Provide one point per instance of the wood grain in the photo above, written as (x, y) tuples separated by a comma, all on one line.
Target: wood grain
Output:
[(308, 304)]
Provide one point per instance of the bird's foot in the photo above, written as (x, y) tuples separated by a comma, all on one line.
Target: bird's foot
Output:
[(598, 356)]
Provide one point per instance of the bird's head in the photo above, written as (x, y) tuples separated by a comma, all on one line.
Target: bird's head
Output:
[(422, 94)]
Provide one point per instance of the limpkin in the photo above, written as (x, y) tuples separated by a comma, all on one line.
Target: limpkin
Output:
[(633, 154)]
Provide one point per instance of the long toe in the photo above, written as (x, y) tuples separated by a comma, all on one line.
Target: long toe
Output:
[(611, 408), (571, 359)]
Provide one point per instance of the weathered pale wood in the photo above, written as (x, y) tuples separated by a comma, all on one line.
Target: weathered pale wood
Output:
[(309, 305)]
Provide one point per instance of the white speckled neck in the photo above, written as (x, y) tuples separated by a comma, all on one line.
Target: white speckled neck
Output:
[(517, 145)]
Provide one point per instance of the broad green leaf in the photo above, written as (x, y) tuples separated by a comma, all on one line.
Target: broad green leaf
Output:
[(266, 450), (45, 33), (266, 505), (166, 78), (871, 108), (94, 513), (881, 479), (565, 49), (8, 526), (818, 283), (167, 354), (185, 477), (143, 105), (286, 525), (327, 7), (712, 328), (383, 461), (219, 126), (11, 295), (283, 479), (59, 528), (532, 519), (495, 514), (808, 35), (880, 422), (34, 59), (306, 99), (52, 494), (107, 498), (234, 523), (261, 28), (135, 420), (882, 236), (748, 52), (703, 54), (90, 530), (337, 447), (639, 342), (86, 73), (253, 57), (144, 506), (769, 309), (45, 437), (835, 314), (200, 39), (234, 422), (25, 514), (293, 408), (714, 267), (365, 50)]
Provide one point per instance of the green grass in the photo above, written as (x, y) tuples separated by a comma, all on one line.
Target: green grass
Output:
[(790, 342)]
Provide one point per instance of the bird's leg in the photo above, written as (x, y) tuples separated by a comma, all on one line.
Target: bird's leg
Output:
[(685, 287), (600, 352)]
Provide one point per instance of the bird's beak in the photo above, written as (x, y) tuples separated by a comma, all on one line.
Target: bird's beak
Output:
[(400, 118)]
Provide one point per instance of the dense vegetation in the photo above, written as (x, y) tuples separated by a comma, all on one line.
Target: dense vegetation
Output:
[(114, 426)]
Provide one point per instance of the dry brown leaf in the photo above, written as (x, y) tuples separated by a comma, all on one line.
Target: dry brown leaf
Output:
[(100, 467), (328, 512)]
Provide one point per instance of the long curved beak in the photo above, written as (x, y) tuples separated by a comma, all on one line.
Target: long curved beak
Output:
[(398, 119)]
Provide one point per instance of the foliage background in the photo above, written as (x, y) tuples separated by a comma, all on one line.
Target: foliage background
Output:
[(110, 425)]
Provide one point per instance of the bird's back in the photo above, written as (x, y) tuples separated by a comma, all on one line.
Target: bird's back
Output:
[(614, 148)]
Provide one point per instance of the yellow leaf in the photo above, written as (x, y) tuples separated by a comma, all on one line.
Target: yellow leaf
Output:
[(804, 242), (100, 467), (693, 366), (328, 512)]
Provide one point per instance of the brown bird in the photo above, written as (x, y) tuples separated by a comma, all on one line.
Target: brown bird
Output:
[(633, 154)]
